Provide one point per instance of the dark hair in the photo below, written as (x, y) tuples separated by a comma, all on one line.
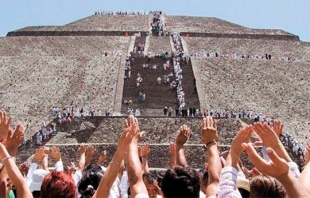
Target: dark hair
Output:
[(89, 183), (181, 182), (36, 194), (148, 178), (265, 186), (244, 193), (159, 175), (58, 184)]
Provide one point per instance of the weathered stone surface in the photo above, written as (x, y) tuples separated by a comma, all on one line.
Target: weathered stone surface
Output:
[(212, 25), (259, 85), (160, 130), (39, 72)]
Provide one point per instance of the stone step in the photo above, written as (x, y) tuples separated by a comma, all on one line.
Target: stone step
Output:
[(159, 130), (158, 158)]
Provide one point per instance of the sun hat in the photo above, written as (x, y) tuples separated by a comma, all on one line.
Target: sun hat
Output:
[(37, 179)]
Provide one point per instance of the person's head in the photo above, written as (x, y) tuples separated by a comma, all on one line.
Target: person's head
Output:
[(58, 184), (264, 186), (92, 175), (181, 182), (151, 185), (37, 179)]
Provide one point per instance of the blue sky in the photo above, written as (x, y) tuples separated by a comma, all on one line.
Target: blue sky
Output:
[(290, 15)]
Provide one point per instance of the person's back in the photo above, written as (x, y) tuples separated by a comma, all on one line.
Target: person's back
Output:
[(181, 182)]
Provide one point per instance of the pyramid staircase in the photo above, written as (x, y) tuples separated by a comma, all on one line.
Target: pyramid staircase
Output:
[(161, 95)]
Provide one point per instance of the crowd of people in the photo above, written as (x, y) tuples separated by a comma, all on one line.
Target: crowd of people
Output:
[(221, 113), (45, 133), (177, 56), (126, 13), (119, 13), (157, 24), (266, 56), (114, 53), (139, 50), (127, 69), (274, 174), (71, 111)]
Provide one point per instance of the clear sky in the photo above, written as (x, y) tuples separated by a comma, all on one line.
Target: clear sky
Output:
[(290, 15)]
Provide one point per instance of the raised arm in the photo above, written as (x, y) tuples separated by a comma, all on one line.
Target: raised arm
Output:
[(115, 164), (90, 151), (144, 153), (228, 181), (37, 159), (57, 157), (134, 168), (14, 174), (12, 141), (102, 158), (77, 171), (81, 162), (277, 168), (172, 150), (181, 139), (209, 136), (304, 178), (5, 122), (271, 139)]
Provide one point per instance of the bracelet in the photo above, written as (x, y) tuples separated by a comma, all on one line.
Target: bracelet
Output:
[(209, 143), (6, 158)]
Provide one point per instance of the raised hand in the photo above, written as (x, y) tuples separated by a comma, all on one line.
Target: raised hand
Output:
[(90, 151), (181, 139), (56, 153), (145, 150), (267, 135), (130, 132), (72, 168), (278, 127), (15, 138), (82, 149), (38, 156), (243, 136), (183, 136), (24, 167), (5, 122), (275, 168), (102, 157), (208, 130)]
